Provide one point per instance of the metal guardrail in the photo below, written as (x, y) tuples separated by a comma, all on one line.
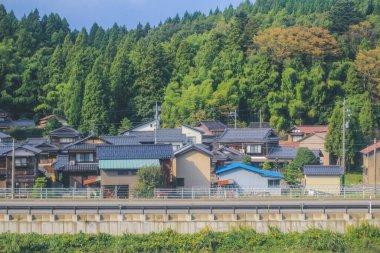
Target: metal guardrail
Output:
[(344, 192), (358, 192)]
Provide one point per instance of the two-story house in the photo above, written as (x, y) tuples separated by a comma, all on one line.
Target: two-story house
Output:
[(255, 142), (26, 165), (78, 161), (119, 164), (63, 136)]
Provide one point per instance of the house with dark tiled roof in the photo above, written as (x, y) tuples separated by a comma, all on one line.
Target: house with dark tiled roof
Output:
[(211, 128), (63, 136), (78, 162), (321, 179), (177, 137), (119, 165), (192, 166), (255, 142), (26, 165), (47, 157), (7, 122), (5, 137), (371, 164)]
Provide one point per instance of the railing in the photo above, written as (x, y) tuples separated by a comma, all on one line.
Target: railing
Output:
[(120, 192), (357, 192)]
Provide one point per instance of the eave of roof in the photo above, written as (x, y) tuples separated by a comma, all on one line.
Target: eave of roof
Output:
[(249, 168)]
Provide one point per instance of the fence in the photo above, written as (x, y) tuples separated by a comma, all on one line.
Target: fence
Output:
[(119, 192)]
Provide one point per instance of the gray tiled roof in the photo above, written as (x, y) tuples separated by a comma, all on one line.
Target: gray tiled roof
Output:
[(7, 147), (62, 164), (214, 125), (65, 131), (3, 135), (80, 167), (199, 147), (17, 123), (287, 152), (35, 141), (121, 140), (283, 152), (84, 146), (148, 151), (247, 135), (321, 170), (163, 135)]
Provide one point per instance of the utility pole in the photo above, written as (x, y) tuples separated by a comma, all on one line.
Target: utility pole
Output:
[(13, 169), (260, 120), (157, 122), (374, 161), (235, 114), (344, 141)]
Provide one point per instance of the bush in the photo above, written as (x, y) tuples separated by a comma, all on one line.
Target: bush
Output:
[(363, 238)]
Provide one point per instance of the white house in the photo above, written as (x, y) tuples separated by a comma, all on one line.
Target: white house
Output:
[(249, 179)]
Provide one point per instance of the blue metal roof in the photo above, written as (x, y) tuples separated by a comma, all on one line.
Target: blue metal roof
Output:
[(250, 168)]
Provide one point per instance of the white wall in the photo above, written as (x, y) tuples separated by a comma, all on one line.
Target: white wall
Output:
[(192, 133)]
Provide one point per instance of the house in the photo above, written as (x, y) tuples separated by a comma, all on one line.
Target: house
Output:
[(5, 138), (26, 165), (47, 157), (6, 122), (370, 162), (255, 142), (119, 165), (192, 166), (282, 154), (63, 136), (146, 126), (78, 162), (193, 134), (316, 141), (297, 133), (249, 179), (320, 179), (44, 120), (211, 128)]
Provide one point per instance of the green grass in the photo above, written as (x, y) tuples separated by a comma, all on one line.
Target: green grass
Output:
[(363, 238), (353, 178)]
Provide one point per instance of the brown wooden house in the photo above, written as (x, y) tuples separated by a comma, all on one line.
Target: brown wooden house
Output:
[(26, 165)]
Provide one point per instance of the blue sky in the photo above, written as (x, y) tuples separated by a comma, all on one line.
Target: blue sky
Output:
[(83, 13)]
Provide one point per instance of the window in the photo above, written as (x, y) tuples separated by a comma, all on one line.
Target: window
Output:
[(297, 138), (273, 183), (84, 157), (191, 139), (253, 149), (180, 182), (66, 140), (126, 172), (175, 147), (21, 161)]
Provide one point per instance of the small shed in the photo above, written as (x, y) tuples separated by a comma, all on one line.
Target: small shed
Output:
[(249, 178), (320, 179)]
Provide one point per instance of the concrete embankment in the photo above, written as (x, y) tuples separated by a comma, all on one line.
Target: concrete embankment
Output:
[(117, 224)]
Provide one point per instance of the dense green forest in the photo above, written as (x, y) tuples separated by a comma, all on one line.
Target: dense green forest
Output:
[(295, 60), (362, 238)]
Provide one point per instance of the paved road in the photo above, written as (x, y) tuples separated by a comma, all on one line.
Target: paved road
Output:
[(189, 206)]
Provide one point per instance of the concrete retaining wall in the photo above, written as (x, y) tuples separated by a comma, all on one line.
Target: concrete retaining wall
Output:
[(117, 224)]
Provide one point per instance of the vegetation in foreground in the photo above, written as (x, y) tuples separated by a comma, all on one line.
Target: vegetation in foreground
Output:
[(363, 238)]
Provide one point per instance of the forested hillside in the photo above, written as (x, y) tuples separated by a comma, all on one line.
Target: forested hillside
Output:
[(295, 60)]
